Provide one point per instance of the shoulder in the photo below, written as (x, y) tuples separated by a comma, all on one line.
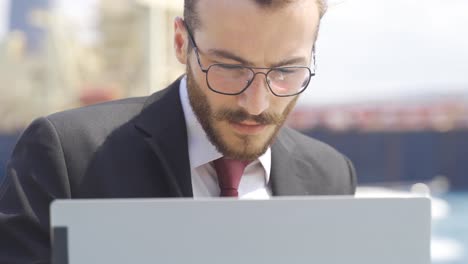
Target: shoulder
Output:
[(92, 124), (98, 119), (305, 145), (104, 113), (80, 130), (313, 157)]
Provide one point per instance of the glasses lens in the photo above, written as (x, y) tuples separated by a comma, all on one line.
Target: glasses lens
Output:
[(288, 80), (229, 79)]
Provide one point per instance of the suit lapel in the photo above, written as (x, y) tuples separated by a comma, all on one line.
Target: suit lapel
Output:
[(162, 122), (285, 177)]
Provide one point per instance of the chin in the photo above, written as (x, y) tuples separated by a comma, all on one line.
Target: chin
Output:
[(246, 147), (241, 146)]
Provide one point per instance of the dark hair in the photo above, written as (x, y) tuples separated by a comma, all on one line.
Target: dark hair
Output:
[(192, 20)]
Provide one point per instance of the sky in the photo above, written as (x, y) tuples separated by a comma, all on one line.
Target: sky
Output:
[(373, 49)]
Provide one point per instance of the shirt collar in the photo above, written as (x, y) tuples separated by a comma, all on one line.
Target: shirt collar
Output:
[(201, 150)]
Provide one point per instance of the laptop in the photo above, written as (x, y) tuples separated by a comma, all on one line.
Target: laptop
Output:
[(324, 230)]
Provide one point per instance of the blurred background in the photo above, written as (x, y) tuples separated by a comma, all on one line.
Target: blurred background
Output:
[(391, 90)]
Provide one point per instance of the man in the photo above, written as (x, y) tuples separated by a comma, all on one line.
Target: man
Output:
[(247, 62)]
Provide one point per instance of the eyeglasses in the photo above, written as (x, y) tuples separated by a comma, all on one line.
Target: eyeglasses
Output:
[(234, 79)]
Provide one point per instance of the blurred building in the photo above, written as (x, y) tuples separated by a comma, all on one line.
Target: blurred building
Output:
[(136, 44), (433, 113), (51, 69), (22, 18), (163, 66)]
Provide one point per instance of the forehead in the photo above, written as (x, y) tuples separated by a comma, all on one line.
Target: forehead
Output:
[(262, 35)]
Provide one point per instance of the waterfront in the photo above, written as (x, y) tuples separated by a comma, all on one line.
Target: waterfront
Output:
[(450, 233)]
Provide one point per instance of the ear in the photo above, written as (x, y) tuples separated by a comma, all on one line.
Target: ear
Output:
[(180, 40)]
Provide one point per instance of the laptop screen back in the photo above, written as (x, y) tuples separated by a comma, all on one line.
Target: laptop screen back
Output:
[(332, 230)]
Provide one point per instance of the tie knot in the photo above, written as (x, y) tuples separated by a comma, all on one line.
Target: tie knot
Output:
[(229, 173)]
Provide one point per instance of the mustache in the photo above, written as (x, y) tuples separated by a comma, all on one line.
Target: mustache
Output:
[(237, 116)]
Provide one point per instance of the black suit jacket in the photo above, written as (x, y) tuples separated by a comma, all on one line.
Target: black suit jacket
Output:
[(131, 148)]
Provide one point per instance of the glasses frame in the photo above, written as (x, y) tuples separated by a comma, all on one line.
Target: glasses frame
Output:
[(205, 70)]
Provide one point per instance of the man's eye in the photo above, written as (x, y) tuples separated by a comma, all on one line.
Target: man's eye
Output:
[(285, 70), (231, 67)]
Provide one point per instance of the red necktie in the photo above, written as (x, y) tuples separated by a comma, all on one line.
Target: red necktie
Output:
[(229, 173)]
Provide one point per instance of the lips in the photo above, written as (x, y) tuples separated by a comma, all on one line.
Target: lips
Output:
[(248, 127)]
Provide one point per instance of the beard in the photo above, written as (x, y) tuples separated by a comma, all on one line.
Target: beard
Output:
[(250, 147)]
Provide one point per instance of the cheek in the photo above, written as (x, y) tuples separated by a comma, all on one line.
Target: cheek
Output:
[(221, 101), (200, 78), (280, 104)]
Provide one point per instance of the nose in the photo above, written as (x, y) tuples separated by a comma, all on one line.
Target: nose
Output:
[(256, 98)]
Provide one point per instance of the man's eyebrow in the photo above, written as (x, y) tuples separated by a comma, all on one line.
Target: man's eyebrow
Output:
[(290, 61), (228, 55), (231, 56)]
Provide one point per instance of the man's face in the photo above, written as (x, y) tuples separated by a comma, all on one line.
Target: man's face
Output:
[(240, 32)]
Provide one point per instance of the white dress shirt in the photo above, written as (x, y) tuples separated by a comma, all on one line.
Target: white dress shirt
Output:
[(254, 181)]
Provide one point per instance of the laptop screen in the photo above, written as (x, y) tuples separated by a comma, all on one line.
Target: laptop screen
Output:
[(281, 230)]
